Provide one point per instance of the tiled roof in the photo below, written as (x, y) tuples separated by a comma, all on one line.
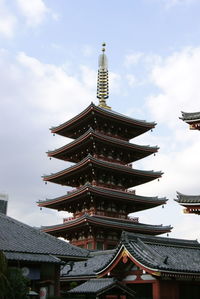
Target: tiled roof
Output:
[(187, 199), (122, 224), (107, 193), (99, 286), (31, 257), (109, 113), (164, 254), (144, 175), (190, 116), (88, 268), (93, 286), (142, 150), (18, 237)]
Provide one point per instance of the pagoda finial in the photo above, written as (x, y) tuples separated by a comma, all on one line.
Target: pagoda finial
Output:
[(102, 81)]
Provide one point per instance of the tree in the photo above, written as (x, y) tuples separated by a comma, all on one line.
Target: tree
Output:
[(13, 285), (18, 284), (4, 282)]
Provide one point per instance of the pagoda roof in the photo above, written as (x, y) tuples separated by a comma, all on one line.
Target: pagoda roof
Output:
[(103, 221), (67, 128), (190, 117), (135, 201), (65, 152), (159, 256), (187, 200), (140, 176)]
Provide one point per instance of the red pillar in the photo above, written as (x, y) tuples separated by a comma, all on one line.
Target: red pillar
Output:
[(156, 289)]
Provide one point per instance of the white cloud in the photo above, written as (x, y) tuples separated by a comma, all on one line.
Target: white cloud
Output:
[(34, 96), (87, 50), (34, 11), (132, 81), (114, 83), (178, 79), (8, 21), (51, 87), (89, 77), (133, 59)]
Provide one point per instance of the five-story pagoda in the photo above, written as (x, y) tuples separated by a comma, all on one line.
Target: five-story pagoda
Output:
[(102, 174)]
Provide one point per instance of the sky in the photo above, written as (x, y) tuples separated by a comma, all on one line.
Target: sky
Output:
[(49, 59)]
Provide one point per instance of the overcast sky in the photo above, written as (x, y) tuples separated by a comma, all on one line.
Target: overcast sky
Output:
[(48, 60)]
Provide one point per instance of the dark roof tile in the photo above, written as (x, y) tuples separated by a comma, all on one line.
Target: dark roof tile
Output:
[(16, 236)]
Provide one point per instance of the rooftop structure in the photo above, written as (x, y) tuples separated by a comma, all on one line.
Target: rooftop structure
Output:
[(38, 254), (154, 267), (100, 288), (102, 174), (192, 119), (3, 203), (191, 203)]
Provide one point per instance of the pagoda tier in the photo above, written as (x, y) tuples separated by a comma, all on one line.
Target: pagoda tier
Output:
[(100, 232), (102, 173), (190, 202), (102, 201), (192, 119), (103, 120), (102, 146)]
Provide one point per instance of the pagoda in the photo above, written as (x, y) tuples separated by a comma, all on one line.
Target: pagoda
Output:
[(102, 174)]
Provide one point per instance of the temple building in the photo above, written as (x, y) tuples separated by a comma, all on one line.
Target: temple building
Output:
[(191, 203), (154, 267), (126, 258), (192, 119), (102, 174)]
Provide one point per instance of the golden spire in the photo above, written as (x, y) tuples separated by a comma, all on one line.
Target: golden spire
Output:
[(102, 80)]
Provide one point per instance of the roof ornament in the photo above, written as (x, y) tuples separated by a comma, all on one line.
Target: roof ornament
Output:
[(102, 80)]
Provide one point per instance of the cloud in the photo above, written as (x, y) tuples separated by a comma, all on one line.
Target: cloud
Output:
[(34, 96), (87, 50), (34, 11), (176, 79), (11, 16), (132, 81), (133, 59), (8, 21)]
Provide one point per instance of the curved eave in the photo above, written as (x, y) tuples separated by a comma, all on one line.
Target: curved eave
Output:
[(148, 267), (108, 223), (75, 121), (73, 146), (128, 197), (184, 199), (190, 117), (90, 162)]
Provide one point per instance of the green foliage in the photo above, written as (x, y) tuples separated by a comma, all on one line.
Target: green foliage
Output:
[(18, 284), (13, 285), (4, 283)]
